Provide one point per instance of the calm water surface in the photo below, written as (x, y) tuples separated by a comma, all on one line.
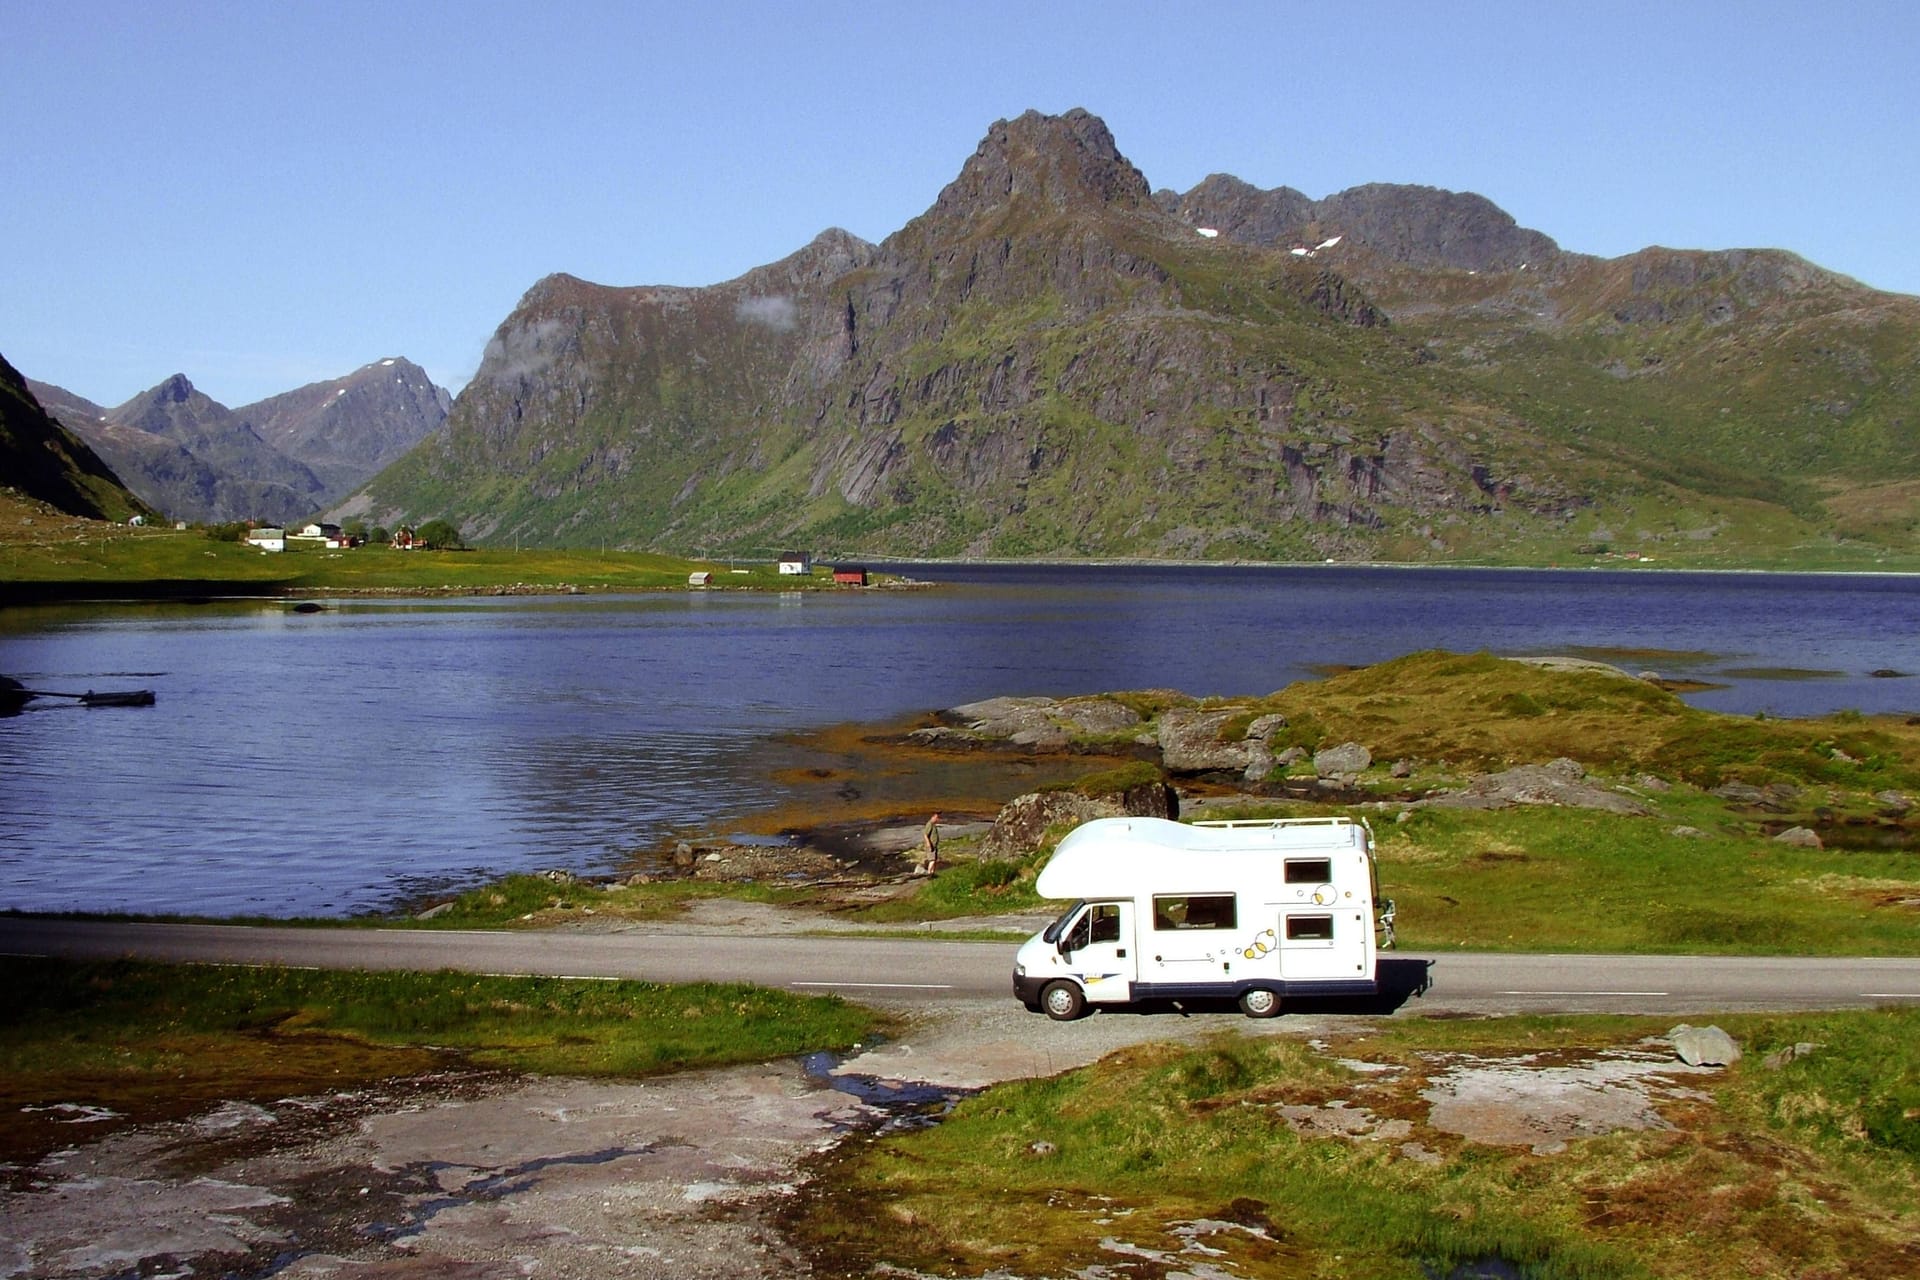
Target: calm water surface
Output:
[(330, 763)]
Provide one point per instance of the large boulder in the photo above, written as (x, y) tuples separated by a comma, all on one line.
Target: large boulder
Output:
[(1704, 1046), (1190, 742), (1343, 761), (1021, 826)]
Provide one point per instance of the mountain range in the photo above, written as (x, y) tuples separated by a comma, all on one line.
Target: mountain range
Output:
[(278, 460), (1055, 359)]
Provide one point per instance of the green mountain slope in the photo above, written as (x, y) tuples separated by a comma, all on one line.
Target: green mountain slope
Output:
[(1054, 360), (41, 459)]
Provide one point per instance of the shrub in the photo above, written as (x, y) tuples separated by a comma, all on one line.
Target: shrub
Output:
[(439, 535)]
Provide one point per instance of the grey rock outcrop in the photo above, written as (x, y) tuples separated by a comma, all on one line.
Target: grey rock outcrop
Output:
[(1559, 782), (1040, 724), (1775, 797), (1800, 838)]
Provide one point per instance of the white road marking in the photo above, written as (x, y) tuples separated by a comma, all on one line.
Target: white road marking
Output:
[(1585, 993), (1890, 995), (886, 985)]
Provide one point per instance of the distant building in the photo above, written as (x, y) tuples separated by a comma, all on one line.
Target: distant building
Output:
[(267, 538), (798, 562), (403, 539), (850, 575), (327, 535), (699, 578)]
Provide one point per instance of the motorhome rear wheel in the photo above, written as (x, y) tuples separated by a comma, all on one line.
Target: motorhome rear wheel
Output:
[(1259, 1003)]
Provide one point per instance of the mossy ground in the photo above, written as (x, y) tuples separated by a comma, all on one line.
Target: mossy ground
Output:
[(1162, 1157)]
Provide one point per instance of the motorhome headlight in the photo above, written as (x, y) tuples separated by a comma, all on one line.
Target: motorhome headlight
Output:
[(1019, 970)]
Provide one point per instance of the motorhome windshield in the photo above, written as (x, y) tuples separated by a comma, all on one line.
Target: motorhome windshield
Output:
[(1052, 933)]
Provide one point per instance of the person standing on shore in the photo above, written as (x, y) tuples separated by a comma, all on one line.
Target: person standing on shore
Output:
[(930, 847)]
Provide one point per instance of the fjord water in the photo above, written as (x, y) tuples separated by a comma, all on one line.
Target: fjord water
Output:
[(349, 760)]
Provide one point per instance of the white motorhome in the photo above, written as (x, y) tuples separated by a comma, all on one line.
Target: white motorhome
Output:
[(1252, 911)]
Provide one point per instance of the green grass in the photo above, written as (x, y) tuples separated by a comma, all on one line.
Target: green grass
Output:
[(965, 888), (1559, 880), (1786, 1172), (536, 900)]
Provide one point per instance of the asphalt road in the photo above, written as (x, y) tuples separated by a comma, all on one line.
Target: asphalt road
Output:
[(915, 971)]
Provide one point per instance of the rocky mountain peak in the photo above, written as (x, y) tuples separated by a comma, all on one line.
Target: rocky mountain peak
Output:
[(175, 390), (1062, 161), (826, 257), (1430, 227)]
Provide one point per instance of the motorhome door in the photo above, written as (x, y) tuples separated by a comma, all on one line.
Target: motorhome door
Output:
[(1193, 938), (1099, 949), (1320, 943)]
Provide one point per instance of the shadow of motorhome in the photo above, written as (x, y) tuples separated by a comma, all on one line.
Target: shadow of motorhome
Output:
[(1400, 980)]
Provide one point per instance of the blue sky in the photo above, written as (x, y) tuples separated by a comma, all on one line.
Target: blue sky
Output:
[(261, 195)]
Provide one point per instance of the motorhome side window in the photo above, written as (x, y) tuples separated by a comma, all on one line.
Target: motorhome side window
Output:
[(1194, 911), (1309, 870), (1101, 923), (1309, 928)]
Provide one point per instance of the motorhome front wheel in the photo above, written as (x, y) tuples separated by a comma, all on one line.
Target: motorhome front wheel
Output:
[(1063, 1001)]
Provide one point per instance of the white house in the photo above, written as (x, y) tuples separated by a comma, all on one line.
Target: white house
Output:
[(327, 535), (267, 538), (799, 562)]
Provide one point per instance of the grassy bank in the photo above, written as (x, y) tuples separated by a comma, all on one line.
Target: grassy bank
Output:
[(1172, 1157), (1698, 871), (150, 564), (152, 1041), (46, 556)]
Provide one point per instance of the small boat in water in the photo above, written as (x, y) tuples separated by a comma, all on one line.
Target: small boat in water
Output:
[(123, 698), (14, 696)]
